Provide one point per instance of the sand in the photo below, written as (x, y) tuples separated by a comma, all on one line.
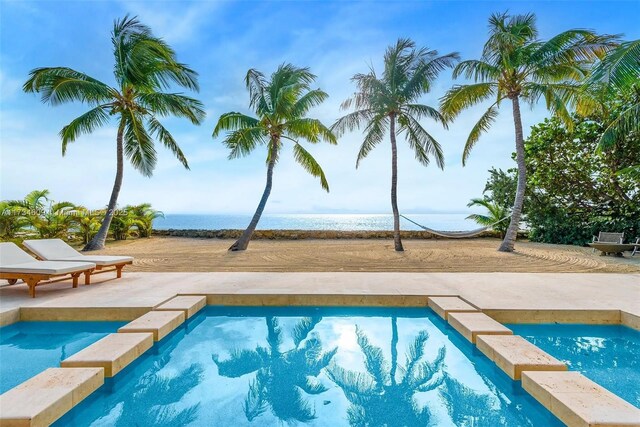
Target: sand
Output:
[(164, 254)]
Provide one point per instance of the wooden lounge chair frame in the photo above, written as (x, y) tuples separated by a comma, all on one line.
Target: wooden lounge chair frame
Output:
[(116, 267), (37, 279)]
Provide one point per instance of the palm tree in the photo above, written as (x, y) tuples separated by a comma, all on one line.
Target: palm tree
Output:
[(281, 105), (377, 397), (495, 213), (515, 65), (144, 215), (281, 376), (389, 103), (619, 72), (144, 67)]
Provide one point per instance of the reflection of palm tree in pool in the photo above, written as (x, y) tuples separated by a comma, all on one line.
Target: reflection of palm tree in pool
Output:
[(150, 402), (281, 375), (466, 407), (377, 397)]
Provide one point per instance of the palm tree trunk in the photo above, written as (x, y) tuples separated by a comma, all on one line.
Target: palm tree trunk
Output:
[(243, 242), (100, 238), (512, 232), (394, 185)]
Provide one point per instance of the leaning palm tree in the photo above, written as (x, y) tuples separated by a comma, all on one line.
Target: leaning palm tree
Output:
[(515, 65), (281, 105), (144, 67), (385, 394), (281, 375), (494, 217), (389, 103)]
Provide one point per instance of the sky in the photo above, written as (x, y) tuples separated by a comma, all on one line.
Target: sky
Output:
[(221, 40)]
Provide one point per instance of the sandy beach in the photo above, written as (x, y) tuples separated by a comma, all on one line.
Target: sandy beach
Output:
[(475, 255)]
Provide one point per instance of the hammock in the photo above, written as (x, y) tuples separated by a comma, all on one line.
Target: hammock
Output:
[(456, 234)]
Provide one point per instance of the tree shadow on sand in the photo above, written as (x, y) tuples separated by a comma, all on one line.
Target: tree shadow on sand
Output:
[(281, 376)]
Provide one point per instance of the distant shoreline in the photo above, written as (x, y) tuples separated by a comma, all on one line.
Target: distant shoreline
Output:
[(304, 234)]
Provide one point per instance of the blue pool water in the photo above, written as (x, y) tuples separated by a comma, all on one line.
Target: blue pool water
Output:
[(268, 366), (28, 348), (607, 354)]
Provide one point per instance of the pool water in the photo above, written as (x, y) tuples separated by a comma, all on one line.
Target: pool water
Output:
[(264, 366), (606, 354), (28, 348)]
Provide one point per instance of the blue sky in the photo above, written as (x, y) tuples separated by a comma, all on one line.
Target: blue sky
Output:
[(221, 40)]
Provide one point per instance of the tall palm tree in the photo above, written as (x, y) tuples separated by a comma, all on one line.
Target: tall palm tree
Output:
[(281, 375), (144, 67), (517, 66), (384, 395), (281, 105), (388, 103)]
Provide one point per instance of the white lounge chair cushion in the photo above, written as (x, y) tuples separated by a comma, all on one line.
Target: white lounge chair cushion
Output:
[(15, 260), (58, 250), (47, 267), (101, 260)]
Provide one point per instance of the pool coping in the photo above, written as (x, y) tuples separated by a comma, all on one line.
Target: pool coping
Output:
[(500, 316)]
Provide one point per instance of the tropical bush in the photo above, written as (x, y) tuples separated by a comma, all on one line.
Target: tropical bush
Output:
[(38, 216)]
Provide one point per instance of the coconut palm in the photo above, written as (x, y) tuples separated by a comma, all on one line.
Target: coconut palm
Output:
[(619, 71), (12, 219), (388, 104), (494, 216), (517, 66), (381, 397), (144, 67), (281, 375), (281, 105)]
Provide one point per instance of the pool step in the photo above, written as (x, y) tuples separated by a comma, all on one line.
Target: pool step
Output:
[(445, 305), (159, 323), (190, 304), (578, 401), (44, 398), (471, 325), (112, 353), (514, 354)]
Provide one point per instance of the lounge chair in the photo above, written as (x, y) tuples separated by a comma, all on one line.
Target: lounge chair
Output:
[(636, 246), (16, 264), (58, 250), (612, 243)]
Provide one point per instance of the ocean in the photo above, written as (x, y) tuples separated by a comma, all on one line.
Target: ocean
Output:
[(343, 222)]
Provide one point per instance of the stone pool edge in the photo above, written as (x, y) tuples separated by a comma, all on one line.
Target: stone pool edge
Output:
[(466, 318)]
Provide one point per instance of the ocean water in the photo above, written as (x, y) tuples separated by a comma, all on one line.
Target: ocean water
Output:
[(316, 367), (606, 354), (342, 222)]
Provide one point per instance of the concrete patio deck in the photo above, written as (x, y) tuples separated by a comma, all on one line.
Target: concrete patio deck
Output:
[(539, 297)]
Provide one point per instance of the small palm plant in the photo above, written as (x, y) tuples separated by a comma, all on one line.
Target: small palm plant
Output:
[(281, 375), (378, 397), (494, 217), (517, 66), (144, 67), (281, 105), (389, 103), (144, 215)]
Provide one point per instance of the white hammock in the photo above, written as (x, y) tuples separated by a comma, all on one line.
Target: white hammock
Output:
[(456, 234)]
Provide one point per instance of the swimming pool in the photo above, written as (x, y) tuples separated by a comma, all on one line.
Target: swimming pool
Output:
[(28, 348), (606, 354), (262, 366)]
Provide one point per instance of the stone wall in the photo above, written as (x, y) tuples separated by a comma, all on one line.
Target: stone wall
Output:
[(303, 234)]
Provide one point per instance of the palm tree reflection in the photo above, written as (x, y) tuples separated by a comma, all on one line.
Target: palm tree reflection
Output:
[(281, 376), (378, 397)]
